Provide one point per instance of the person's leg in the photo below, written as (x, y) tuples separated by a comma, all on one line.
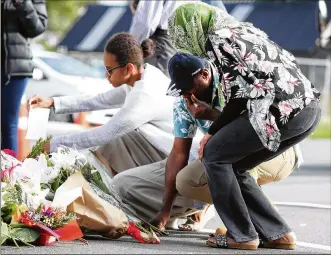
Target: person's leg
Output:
[(232, 143), (191, 182), (238, 199), (130, 151), (11, 96), (277, 168), (142, 188)]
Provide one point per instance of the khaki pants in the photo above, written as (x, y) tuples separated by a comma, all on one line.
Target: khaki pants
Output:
[(191, 181), (141, 174), (129, 151), (142, 188)]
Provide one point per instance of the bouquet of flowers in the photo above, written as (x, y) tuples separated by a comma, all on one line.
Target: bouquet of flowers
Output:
[(54, 224), (26, 215), (43, 226), (67, 162)]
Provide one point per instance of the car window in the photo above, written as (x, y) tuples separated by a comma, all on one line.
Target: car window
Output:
[(70, 66)]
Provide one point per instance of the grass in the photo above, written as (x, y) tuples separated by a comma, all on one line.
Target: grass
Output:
[(323, 130)]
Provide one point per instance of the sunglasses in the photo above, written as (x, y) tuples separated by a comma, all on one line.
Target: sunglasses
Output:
[(110, 70)]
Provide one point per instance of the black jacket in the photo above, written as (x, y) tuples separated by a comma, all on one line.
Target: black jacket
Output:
[(19, 23)]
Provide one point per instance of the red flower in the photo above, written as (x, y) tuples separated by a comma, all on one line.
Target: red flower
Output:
[(135, 232), (26, 219), (9, 152)]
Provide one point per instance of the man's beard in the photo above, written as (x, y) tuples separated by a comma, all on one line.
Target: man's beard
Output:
[(204, 94)]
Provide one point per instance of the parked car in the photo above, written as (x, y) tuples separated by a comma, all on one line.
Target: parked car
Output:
[(56, 74)]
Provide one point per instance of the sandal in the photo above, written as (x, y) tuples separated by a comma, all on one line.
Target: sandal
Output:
[(222, 241), (287, 242), (191, 225)]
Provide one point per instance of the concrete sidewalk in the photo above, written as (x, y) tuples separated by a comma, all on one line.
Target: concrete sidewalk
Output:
[(316, 153)]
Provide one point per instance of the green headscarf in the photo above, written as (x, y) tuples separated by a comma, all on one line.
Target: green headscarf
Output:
[(191, 23)]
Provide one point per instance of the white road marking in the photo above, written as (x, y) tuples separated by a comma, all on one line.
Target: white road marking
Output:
[(314, 246), (310, 205), (303, 244)]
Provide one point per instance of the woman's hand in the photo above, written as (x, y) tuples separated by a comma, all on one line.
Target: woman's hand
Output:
[(203, 143), (39, 102)]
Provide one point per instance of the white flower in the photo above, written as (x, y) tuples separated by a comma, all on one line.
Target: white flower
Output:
[(49, 174), (29, 175), (34, 201), (224, 33), (66, 158), (207, 124), (190, 131), (266, 66), (252, 58), (286, 81), (257, 90), (241, 69), (251, 38)]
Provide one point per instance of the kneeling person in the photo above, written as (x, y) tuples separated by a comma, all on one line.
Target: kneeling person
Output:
[(148, 184), (197, 110)]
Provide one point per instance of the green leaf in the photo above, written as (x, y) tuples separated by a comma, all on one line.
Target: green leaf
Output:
[(38, 148), (7, 211), (44, 186), (18, 225), (4, 232), (56, 183), (27, 235)]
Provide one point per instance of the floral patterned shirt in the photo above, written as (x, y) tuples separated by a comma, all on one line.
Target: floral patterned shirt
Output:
[(185, 125), (256, 72), (257, 69)]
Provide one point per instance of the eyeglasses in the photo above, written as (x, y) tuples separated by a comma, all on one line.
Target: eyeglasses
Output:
[(110, 70)]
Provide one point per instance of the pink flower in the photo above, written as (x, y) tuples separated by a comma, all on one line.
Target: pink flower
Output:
[(285, 108), (8, 174), (228, 48), (241, 68), (270, 130), (47, 211), (10, 152), (271, 127)]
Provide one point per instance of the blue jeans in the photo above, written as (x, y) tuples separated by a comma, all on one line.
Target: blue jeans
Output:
[(239, 201), (11, 95)]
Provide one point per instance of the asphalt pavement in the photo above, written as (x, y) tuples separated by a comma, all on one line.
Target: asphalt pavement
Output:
[(303, 199)]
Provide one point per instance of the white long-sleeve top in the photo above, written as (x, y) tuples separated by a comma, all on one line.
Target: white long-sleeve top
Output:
[(143, 107), (152, 14)]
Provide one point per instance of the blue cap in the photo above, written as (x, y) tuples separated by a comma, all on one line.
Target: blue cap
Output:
[(182, 68)]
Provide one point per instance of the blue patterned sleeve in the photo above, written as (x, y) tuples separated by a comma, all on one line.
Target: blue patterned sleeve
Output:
[(184, 124)]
